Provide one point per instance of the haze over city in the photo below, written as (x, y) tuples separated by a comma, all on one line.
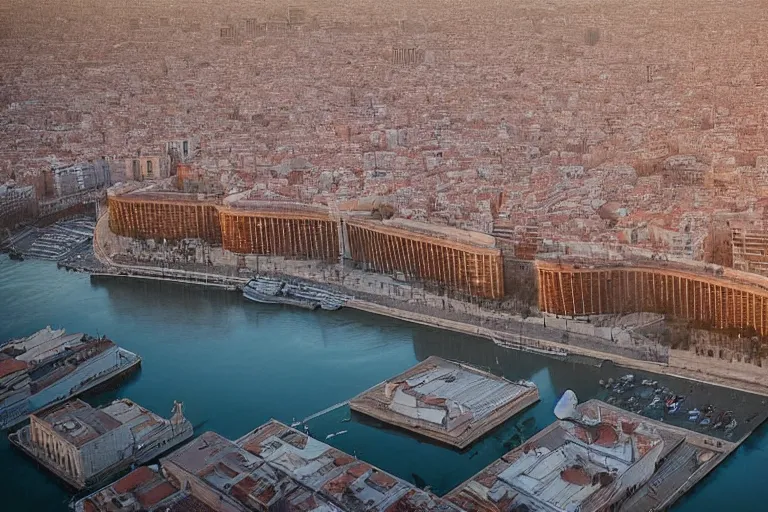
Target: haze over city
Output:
[(570, 182)]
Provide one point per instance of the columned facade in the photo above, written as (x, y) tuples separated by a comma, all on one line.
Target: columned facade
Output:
[(704, 300), (55, 450)]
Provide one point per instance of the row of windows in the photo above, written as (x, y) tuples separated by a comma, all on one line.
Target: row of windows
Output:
[(137, 171), (150, 166)]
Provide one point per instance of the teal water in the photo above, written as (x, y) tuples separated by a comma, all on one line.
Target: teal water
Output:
[(235, 364)]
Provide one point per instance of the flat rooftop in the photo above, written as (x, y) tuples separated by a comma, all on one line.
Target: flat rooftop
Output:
[(460, 235), (77, 422), (450, 402), (400, 227), (43, 344), (343, 480), (625, 460), (244, 478), (141, 489), (141, 421), (277, 466)]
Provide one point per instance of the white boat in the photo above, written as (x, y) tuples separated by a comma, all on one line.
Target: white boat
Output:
[(50, 367)]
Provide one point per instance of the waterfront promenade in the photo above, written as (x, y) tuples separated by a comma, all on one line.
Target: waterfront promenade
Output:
[(237, 364), (373, 294)]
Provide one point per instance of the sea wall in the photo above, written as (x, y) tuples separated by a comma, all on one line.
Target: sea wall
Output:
[(601, 338)]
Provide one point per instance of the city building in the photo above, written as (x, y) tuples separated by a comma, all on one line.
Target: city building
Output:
[(84, 446), (272, 468), (17, 205), (66, 180), (606, 459), (142, 490), (147, 167)]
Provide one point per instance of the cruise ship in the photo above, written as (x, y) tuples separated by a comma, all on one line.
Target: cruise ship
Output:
[(52, 366)]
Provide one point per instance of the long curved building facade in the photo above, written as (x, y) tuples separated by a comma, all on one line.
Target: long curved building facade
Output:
[(707, 301), (302, 235), (454, 261), (459, 261), (136, 216), (474, 270)]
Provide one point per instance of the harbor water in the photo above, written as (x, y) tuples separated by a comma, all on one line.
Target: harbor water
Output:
[(235, 364)]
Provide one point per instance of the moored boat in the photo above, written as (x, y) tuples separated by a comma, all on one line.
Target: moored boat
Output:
[(275, 291), (51, 366)]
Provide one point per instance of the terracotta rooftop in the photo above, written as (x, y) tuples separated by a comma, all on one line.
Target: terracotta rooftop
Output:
[(156, 494), (133, 480), (145, 488), (582, 465), (11, 365)]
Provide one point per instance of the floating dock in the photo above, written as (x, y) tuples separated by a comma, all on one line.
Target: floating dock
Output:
[(85, 446), (449, 402), (610, 460)]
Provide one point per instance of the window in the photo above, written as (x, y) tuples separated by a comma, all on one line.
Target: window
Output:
[(250, 26), (136, 172), (149, 167), (185, 148)]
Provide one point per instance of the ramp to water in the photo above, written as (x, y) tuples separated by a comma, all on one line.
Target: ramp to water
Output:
[(321, 413)]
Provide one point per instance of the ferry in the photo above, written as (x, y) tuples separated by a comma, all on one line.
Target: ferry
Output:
[(51, 366), (275, 291)]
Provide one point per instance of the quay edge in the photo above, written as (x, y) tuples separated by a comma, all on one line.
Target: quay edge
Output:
[(509, 340)]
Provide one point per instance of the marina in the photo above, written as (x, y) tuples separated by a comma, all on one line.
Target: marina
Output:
[(85, 446), (597, 458), (450, 402), (55, 242), (51, 366)]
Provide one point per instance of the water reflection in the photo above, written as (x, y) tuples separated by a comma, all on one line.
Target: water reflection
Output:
[(235, 364)]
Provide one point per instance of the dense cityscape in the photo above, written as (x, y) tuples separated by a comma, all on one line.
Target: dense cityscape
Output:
[(582, 181)]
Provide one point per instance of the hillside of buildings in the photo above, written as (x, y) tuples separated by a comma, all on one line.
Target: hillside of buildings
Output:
[(639, 123)]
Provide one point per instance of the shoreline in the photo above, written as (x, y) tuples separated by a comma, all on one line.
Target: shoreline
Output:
[(554, 349), (505, 339)]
